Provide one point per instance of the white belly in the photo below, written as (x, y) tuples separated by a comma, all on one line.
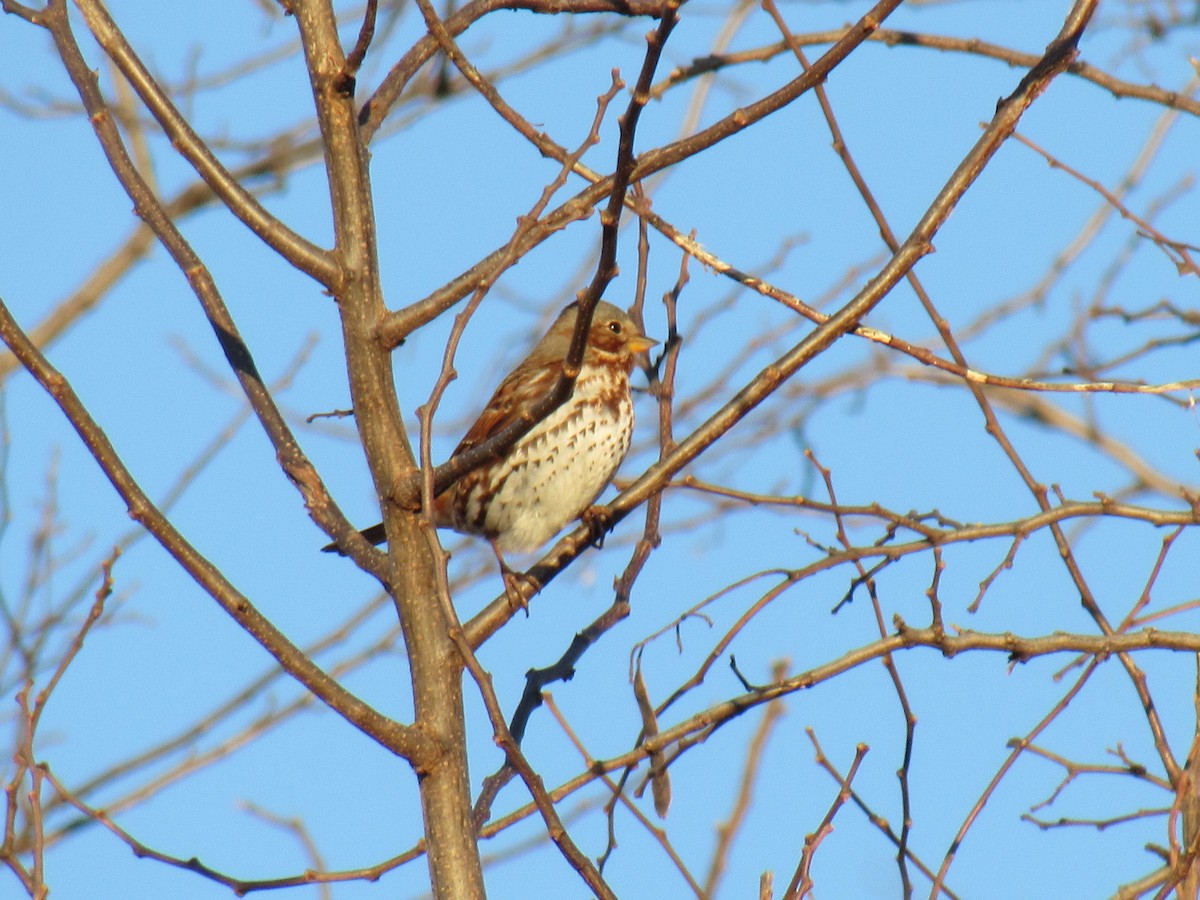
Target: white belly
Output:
[(545, 491)]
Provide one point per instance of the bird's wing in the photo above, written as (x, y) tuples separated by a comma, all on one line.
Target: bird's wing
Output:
[(516, 396)]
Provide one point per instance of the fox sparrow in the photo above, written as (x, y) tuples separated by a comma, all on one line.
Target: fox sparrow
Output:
[(555, 472)]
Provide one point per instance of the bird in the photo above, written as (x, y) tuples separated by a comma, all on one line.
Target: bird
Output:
[(553, 474)]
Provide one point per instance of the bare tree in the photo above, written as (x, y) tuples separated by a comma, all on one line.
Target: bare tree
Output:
[(838, 419)]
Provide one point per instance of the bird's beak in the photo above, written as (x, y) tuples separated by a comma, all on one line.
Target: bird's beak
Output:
[(641, 344)]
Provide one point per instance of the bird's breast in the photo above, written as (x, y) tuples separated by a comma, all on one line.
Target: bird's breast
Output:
[(559, 469)]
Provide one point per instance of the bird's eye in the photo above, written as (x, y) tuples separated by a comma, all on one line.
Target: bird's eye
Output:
[(614, 326)]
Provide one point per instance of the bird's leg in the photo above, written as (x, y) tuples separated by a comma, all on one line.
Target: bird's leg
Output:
[(599, 522), (513, 581)]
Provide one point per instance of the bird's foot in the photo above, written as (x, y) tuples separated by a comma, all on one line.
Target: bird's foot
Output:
[(516, 584), (599, 522)]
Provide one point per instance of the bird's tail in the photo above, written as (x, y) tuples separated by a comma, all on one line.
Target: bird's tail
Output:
[(374, 535)]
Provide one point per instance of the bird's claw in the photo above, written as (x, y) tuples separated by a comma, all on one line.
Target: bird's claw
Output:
[(514, 582), (599, 522)]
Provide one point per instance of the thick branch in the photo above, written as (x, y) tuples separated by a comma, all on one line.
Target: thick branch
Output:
[(412, 564)]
